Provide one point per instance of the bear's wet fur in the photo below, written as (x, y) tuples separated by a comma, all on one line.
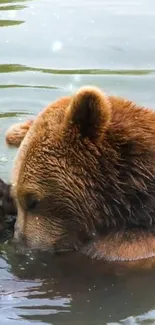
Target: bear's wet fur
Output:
[(84, 177)]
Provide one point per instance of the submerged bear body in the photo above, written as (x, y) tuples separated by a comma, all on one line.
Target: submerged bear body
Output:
[(84, 178)]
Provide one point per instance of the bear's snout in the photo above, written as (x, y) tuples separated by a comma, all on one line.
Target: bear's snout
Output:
[(18, 235)]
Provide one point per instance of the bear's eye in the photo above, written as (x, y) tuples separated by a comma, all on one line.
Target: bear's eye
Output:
[(31, 202)]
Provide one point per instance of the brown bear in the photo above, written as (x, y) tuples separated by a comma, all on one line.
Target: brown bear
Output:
[(84, 177)]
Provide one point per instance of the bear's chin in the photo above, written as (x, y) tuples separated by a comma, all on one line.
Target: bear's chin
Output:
[(22, 243)]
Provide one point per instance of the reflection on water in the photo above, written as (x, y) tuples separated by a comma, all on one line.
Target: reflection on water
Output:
[(8, 68), (11, 7), (49, 48), (9, 3), (6, 5), (74, 290), (4, 23)]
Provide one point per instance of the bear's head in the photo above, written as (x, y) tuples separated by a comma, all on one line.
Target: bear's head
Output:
[(85, 169)]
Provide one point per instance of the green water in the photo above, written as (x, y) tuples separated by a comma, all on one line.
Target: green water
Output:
[(49, 48)]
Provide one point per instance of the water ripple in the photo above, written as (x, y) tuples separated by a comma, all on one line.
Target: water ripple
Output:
[(11, 68)]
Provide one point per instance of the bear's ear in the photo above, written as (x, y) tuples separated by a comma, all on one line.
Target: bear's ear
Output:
[(90, 112)]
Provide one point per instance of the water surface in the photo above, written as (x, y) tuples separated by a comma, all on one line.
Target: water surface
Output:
[(49, 48)]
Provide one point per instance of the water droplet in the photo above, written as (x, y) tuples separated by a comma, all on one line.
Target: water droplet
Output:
[(56, 46), (4, 159), (77, 77), (56, 16)]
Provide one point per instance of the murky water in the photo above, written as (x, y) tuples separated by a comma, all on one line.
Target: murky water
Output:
[(48, 48)]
